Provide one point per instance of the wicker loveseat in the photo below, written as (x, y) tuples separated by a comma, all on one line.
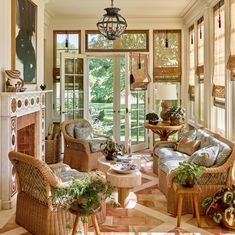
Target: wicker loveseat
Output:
[(37, 209), (166, 159), (81, 145)]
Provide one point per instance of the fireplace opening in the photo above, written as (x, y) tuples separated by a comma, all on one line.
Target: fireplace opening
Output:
[(25, 140)]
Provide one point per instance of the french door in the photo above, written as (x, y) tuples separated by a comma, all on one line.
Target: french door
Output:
[(98, 88), (114, 110), (73, 86)]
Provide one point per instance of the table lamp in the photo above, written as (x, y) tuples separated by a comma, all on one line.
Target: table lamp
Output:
[(166, 93)]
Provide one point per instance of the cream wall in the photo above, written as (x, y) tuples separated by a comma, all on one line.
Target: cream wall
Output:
[(5, 42)]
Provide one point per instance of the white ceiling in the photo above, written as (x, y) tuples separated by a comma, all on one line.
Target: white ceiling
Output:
[(77, 9)]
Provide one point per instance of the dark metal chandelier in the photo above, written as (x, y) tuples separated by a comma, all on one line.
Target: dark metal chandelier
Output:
[(112, 25)]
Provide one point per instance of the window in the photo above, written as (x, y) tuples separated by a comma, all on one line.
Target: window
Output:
[(64, 41), (219, 66), (191, 42), (219, 54), (167, 55), (200, 66), (131, 40)]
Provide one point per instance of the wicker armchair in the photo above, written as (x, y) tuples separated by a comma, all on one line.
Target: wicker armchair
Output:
[(212, 180), (36, 208), (81, 145)]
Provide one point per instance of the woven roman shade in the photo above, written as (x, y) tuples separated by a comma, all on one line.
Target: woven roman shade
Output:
[(167, 55), (231, 60), (219, 54), (191, 89), (200, 49), (139, 70)]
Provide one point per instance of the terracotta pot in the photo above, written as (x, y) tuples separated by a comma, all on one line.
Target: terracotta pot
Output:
[(175, 121), (153, 122), (109, 156), (189, 182)]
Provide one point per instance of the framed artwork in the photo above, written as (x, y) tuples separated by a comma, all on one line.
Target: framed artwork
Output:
[(24, 39)]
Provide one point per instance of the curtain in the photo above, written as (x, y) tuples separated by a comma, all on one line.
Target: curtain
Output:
[(167, 55), (219, 54)]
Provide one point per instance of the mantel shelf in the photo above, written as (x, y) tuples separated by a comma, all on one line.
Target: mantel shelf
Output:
[(24, 93)]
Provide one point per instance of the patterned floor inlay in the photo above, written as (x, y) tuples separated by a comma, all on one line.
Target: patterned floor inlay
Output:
[(145, 214)]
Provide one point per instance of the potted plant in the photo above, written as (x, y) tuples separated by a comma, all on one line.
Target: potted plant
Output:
[(187, 173), (84, 195), (152, 118), (221, 207), (175, 113), (111, 149)]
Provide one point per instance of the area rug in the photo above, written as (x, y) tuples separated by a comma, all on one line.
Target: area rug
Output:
[(145, 214)]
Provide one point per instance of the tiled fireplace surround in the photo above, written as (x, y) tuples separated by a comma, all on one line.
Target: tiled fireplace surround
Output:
[(22, 128)]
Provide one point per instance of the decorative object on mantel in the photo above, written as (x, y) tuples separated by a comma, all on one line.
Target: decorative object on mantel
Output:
[(13, 81), (112, 25), (43, 87)]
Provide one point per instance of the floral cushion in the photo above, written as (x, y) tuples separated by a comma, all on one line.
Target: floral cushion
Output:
[(82, 132), (95, 143), (205, 156), (208, 141), (169, 166), (70, 129), (168, 154), (65, 174)]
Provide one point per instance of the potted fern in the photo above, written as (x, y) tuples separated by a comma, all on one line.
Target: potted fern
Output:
[(188, 173), (111, 149), (176, 113), (84, 195)]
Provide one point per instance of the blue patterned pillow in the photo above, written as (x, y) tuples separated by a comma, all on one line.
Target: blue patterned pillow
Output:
[(205, 156)]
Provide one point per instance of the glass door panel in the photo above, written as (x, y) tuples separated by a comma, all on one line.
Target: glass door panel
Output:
[(72, 86), (137, 117), (101, 96)]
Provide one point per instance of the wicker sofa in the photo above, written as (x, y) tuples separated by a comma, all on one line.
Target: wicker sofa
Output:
[(166, 159), (37, 209), (81, 145)]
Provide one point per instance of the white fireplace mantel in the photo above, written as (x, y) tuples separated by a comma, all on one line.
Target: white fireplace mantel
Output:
[(12, 106)]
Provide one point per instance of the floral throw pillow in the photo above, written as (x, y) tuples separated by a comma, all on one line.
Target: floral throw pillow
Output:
[(205, 156)]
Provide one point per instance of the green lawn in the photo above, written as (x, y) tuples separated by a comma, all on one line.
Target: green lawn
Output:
[(107, 121)]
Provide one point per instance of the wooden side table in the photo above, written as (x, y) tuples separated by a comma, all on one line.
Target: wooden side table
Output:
[(163, 129), (85, 222), (104, 165), (124, 183), (194, 194)]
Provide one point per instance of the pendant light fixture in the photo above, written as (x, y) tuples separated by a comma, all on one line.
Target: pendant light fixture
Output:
[(67, 41), (112, 25)]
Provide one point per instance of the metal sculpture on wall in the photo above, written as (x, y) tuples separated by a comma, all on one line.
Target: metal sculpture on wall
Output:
[(24, 44)]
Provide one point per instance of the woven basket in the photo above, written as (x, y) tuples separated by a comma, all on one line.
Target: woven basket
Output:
[(52, 151)]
